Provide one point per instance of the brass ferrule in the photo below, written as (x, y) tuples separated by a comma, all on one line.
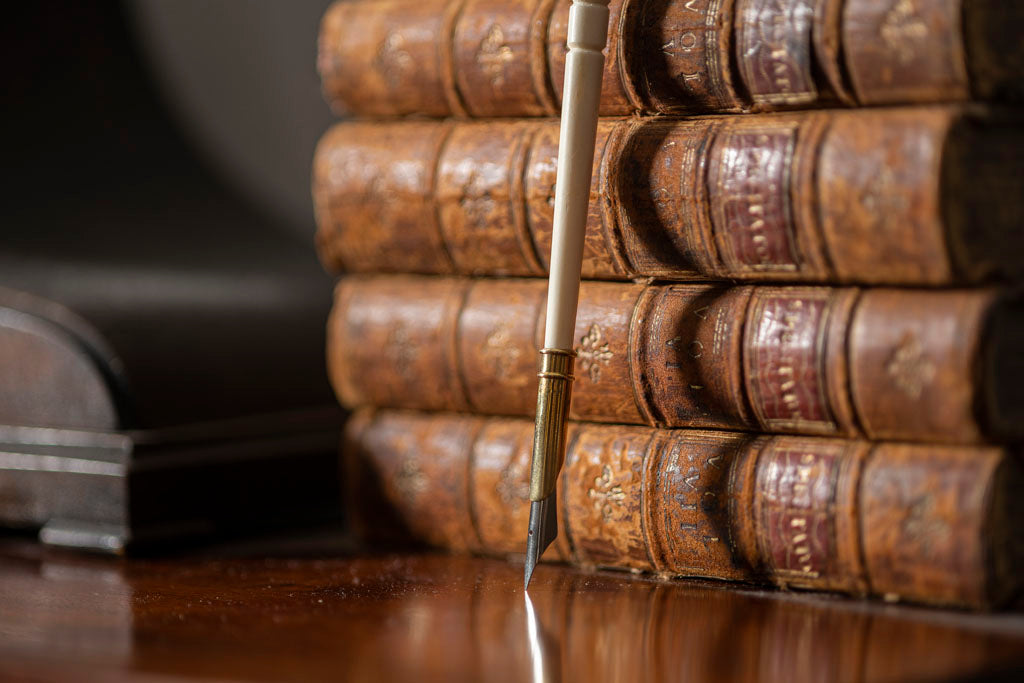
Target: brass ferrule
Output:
[(553, 395)]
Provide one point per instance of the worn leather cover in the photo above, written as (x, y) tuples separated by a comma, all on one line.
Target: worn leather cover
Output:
[(901, 364), (507, 57), (925, 523), (887, 196)]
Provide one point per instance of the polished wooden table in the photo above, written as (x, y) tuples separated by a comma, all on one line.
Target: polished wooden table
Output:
[(292, 616)]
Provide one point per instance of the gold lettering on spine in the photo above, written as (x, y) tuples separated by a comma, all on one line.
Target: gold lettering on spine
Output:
[(802, 498), (774, 51), (752, 218), (798, 483), (694, 49), (791, 319), (783, 366), (711, 57)]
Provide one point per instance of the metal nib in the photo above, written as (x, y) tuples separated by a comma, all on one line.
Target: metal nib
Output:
[(543, 530)]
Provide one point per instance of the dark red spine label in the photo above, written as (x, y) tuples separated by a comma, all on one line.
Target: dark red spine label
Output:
[(774, 46), (784, 358), (750, 176), (796, 500)]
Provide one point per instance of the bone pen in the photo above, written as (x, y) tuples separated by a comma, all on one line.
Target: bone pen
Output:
[(584, 65)]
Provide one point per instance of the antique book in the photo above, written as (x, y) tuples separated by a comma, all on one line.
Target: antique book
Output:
[(927, 195), (926, 523), (507, 57), (917, 365)]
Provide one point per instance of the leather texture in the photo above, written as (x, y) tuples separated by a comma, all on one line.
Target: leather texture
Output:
[(925, 523), (506, 57), (901, 364), (861, 197)]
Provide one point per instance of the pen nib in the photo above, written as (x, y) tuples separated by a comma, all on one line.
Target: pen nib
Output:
[(543, 530)]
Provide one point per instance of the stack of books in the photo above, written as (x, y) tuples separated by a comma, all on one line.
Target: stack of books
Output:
[(798, 345)]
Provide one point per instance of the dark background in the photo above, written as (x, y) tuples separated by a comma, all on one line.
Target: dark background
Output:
[(157, 160)]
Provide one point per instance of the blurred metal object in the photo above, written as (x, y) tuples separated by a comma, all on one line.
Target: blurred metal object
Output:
[(72, 465), (118, 491), (165, 377), (55, 368)]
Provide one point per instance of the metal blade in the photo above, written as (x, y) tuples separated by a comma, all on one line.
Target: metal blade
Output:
[(543, 530)]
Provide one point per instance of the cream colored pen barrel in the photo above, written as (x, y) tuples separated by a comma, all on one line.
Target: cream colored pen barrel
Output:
[(584, 65)]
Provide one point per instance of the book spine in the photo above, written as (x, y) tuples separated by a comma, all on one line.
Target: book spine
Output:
[(507, 57), (873, 197), (412, 341), (775, 49), (389, 58), (370, 210), (682, 55), (915, 365), (884, 55), (914, 522)]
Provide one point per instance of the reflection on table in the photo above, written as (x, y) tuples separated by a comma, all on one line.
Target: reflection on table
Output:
[(433, 617)]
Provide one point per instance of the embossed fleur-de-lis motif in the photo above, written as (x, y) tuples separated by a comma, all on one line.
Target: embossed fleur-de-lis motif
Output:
[(909, 367), (593, 352), (410, 480), (901, 27), (921, 526), (476, 201), (513, 486), (882, 197), (499, 352), (493, 54), (392, 61), (606, 493)]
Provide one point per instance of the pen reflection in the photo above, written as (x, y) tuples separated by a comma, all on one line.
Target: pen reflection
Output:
[(610, 627), (544, 653), (437, 617)]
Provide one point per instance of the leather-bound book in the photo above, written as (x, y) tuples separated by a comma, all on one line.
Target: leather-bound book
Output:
[(925, 523), (507, 57), (901, 364), (904, 196)]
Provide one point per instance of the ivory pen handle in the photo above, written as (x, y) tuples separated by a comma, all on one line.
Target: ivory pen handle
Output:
[(588, 32), (584, 65)]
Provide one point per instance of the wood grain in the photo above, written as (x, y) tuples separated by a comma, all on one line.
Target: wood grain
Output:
[(272, 615)]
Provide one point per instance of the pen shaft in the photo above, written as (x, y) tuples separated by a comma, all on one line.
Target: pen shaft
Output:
[(584, 65)]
